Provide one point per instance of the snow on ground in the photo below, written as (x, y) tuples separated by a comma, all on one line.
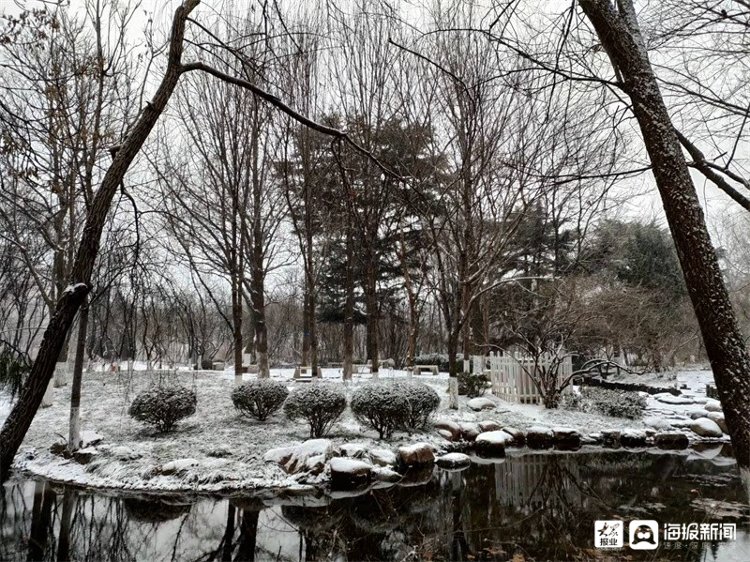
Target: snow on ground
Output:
[(219, 450)]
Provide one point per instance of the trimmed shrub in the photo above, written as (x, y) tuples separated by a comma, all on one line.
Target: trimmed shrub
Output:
[(472, 384), (320, 404), (259, 398), (609, 402), (422, 402), (381, 406), (163, 407)]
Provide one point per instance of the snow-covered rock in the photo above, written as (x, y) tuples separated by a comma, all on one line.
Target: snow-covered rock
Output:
[(566, 438), (633, 438), (540, 437), (383, 457), (177, 466), (85, 455), (416, 455), (671, 440), (453, 461), (713, 405), (124, 453), (452, 429), (718, 417), (667, 398), (700, 413), (90, 438), (481, 403), (706, 428), (493, 443), (469, 431), (489, 425), (384, 474), (353, 450), (519, 437), (347, 473), (309, 456)]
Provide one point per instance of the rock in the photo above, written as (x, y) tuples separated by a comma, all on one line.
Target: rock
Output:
[(384, 474), (85, 455), (481, 403), (489, 425), (453, 429), (633, 438), (611, 438), (419, 454), (713, 406), (447, 435), (309, 456), (701, 413), (348, 473), (566, 439), (453, 461), (353, 450), (718, 417), (383, 457), (667, 398), (90, 438), (124, 453), (178, 465), (671, 440), (706, 428), (519, 437), (657, 423), (539, 437), (493, 443), (469, 431)]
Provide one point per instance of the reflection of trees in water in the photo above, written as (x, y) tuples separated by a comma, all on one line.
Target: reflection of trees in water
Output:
[(541, 505)]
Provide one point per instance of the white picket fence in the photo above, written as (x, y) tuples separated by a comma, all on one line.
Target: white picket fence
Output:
[(509, 379)]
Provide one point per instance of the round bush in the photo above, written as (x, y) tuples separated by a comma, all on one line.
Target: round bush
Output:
[(320, 404), (259, 398), (381, 406), (472, 384), (422, 401), (163, 407)]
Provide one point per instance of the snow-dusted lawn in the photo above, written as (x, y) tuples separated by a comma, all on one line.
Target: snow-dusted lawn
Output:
[(217, 449)]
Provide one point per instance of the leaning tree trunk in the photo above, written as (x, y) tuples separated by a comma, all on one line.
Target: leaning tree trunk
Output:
[(621, 38), (349, 307), (19, 420)]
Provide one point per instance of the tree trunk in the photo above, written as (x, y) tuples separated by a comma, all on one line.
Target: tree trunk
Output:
[(373, 331), (621, 38), (349, 306), (74, 428), (239, 346), (306, 326), (22, 414), (452, 371)]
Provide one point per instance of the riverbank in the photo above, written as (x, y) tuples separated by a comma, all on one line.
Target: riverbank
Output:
[(219, 451)]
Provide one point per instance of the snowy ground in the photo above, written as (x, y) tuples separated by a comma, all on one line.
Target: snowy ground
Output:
[(219, 450)]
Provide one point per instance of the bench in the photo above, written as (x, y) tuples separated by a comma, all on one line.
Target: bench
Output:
[(361, 368), (303, 373), (249, 369), (419, 368)]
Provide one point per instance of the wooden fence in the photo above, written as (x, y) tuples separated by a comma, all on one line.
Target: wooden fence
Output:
[(509, 375)]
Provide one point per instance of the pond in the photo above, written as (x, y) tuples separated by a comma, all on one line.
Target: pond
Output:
[(528, 507)]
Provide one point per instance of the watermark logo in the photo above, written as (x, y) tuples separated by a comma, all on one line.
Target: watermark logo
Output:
[(644, 534), (609, 534)]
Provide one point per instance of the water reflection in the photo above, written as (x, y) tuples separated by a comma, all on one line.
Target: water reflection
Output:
[(539, 507)]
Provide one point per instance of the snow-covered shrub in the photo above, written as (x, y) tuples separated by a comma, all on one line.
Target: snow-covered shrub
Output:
[(162, 407), (609, 402), (259, 398), (422, 402), (320, 404), (381, 406), (472, 384)]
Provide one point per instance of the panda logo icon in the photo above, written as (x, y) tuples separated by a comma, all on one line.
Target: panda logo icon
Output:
[(644, 535)]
